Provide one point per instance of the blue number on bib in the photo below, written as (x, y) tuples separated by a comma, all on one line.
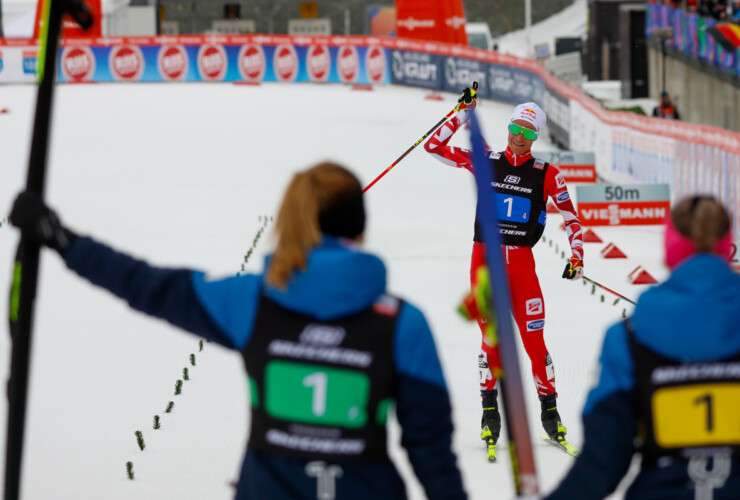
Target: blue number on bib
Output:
[(512, 208)]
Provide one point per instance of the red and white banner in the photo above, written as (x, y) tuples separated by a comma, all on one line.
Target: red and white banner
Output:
[(631, 213), (440, 21), (578, 173)]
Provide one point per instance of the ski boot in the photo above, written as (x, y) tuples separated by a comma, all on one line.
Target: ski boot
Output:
[(551, 418), (490, 422), (553, 426)]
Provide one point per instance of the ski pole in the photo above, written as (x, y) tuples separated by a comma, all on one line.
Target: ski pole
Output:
[(25, 271), (431, 130), (608, 290)]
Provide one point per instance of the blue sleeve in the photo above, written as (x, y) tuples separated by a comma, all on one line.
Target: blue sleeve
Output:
[(232, 303), (616, 371), (609, 426), (168, 294), (413, 349), (423, 408), (608, 448)]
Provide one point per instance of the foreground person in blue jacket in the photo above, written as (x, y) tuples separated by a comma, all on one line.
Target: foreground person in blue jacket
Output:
[(326, 349), (669, 386)]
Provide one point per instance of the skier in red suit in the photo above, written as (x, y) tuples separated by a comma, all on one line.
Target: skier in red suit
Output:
[(522, 185)]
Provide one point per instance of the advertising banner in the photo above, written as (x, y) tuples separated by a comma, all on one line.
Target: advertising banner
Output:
[(557, 108), (216, 59), (627, 148), (577, 173), (461, 72), (514, 85), (437, 21), (18, 64), (609, 205), (416, 69)]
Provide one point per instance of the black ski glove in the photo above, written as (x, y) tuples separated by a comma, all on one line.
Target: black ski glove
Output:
[(468, 99), (40, 223)]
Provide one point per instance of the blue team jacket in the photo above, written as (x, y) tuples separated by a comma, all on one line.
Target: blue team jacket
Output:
[(693, 316), (338, 281)]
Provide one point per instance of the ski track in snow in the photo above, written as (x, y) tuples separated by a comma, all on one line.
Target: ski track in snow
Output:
[(179, 174)]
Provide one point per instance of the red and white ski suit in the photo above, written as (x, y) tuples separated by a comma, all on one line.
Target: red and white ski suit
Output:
[(528, 306)]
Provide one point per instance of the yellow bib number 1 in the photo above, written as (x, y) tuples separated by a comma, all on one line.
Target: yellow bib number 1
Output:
[(697, 415)]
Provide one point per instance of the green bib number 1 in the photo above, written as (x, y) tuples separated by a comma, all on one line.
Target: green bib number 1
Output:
[(316, 395)]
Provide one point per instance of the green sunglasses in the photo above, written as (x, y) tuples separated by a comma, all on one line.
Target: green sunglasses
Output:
[(528, 134)]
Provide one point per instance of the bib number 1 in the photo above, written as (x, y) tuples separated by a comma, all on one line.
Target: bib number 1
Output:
[(314, 394), (512, 208), (697, 415), (317, 381)]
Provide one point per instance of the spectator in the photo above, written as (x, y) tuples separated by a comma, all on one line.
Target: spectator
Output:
[(669, 383), (736, 12), (318, 320), (666, 108)]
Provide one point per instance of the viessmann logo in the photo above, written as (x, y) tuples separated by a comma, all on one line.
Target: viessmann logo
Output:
[(616, 214), (411, 24)]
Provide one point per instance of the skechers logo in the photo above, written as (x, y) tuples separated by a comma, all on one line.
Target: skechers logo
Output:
[(512, 179), (537, 324), (563, 197), (323, 335)]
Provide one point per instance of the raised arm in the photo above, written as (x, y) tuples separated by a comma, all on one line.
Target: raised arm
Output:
[(437, 144), (222, 311)]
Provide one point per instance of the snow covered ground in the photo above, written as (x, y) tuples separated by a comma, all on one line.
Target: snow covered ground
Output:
[(182, 174)]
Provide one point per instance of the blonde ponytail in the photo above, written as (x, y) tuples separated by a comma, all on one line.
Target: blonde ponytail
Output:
[(297, 227)]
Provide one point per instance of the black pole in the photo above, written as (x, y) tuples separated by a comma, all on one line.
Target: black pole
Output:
[(25, 273), (662, 44)]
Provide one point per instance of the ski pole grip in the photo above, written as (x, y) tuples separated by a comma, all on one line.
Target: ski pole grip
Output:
[(80, 13)]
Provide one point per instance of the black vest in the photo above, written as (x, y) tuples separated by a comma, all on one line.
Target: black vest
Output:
[(519, 195), (685, 408), (321, 389)]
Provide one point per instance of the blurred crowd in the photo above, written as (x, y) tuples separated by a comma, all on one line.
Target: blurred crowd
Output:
[(721, 10)]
